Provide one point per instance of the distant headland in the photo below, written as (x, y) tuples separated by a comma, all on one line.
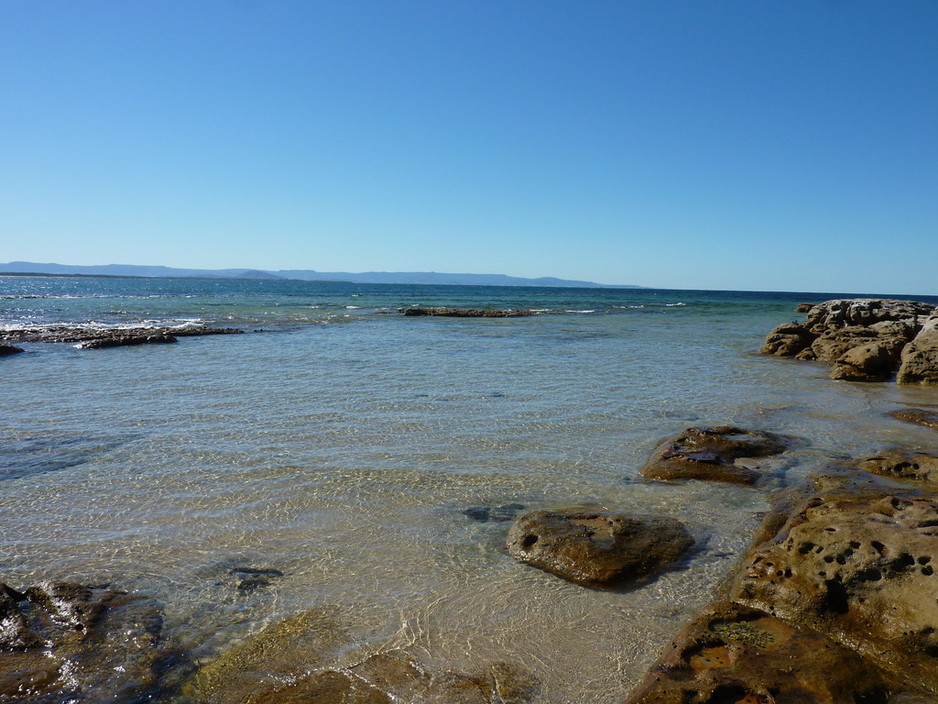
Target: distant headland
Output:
[(367, 277)]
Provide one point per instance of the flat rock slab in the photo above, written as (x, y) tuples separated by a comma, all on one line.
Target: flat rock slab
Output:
[(126, 341), (712, 453), (467, 312), (918, 416), (85, 333), (597, 548), (732, 654)]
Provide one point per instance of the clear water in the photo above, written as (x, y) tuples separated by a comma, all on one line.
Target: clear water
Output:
[(342, 445)]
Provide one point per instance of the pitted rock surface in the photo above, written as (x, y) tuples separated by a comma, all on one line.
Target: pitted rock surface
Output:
[(732, 654), (712, 453), (856, 561), (597, 548), (864, 339), (920, 357)]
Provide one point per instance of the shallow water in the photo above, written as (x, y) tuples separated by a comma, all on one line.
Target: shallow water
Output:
[(342, 446)]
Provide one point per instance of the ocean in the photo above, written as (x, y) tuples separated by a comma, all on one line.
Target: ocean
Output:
[(338, 444)]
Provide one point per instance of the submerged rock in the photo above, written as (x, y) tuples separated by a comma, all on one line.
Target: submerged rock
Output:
[(295, 662), (732, 654), (497, 514), (467, 312), (8, 349), (712, 453), (918, 416), (597, 548), (64, 642)]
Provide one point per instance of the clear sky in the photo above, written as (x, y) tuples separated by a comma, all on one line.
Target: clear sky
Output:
[(721, 144)]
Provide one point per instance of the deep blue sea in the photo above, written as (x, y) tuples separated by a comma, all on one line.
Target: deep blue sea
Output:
[(340, 443)]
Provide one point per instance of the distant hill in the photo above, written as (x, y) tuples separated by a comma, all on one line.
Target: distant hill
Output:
[(368, 277)]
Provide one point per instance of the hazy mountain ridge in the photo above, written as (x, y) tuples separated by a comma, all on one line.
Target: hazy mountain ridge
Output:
[(368, 277)]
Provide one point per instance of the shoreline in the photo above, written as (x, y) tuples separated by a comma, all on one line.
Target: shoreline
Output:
[(257, 565)]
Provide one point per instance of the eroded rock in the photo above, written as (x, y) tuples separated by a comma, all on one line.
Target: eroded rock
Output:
[(712, 453), (787, 340), (597, 548), (732, 654), (920, 356), (855, 561), (844, 312), (864, 339)]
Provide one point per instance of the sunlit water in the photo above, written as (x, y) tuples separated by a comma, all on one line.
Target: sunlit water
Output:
[(342, 445)]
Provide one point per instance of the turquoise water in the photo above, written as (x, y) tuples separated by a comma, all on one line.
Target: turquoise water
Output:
[(341, 445)]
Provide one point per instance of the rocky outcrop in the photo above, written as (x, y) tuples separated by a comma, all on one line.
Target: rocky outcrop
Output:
[(732, 654), (61, 642), (467, 312), (713, 453), (8, 349), (597, 548), (920, 357), (85, 334), (294, 662), (919, 416), (862, 339)]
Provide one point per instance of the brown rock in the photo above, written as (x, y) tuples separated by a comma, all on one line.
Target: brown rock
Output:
[(805, 307), (597, 548), (855, 561), (834, 343), (711, 453), (920, 356), (918, 416), (787, 340), (840, 313), (870, 362), (915, 467), (65, 642), (736, 655)]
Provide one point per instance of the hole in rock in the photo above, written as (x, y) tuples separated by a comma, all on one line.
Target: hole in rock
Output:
[(836, 599), (528, 541)]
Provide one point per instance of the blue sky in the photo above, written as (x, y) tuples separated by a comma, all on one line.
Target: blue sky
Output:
[(745, 144)]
